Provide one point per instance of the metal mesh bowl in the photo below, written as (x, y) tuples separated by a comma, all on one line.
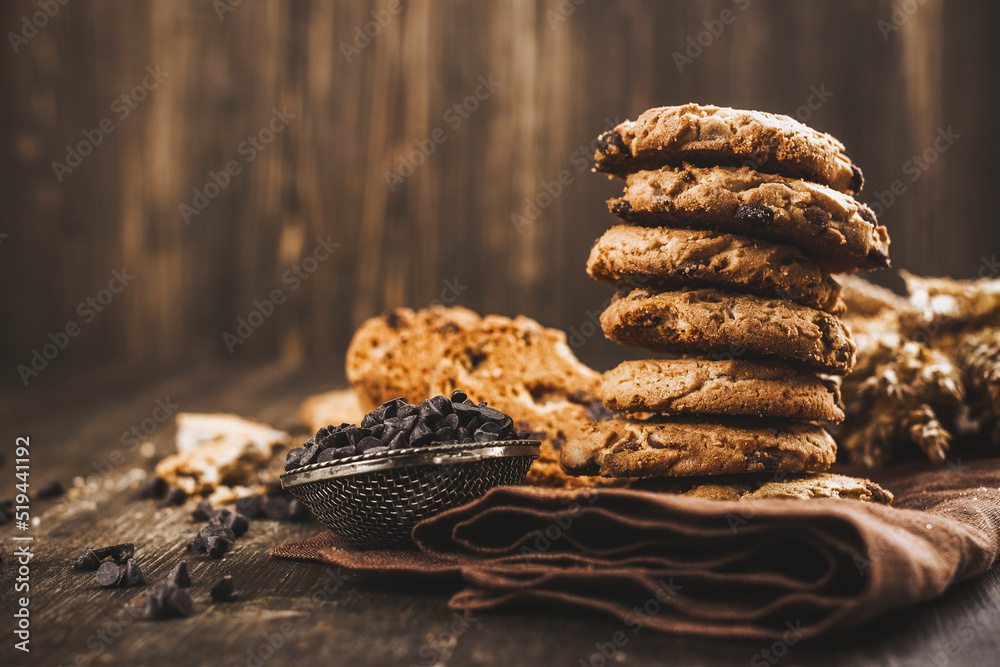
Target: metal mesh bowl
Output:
[(374, 500)]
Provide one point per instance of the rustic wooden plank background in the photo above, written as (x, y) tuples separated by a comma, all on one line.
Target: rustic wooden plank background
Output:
[(563, 68)]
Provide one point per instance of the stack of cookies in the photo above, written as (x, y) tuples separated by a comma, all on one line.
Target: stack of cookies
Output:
[(732, 223)]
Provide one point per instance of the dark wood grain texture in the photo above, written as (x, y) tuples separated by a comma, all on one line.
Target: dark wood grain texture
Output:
[(446, 232), (319, 615)]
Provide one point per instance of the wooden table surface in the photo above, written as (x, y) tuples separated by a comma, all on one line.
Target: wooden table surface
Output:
[(292, 613)]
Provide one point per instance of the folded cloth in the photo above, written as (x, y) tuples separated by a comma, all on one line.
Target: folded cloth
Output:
[(755, 569)]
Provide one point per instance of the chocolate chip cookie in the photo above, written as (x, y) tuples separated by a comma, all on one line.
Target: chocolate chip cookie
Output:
[(709, 136), (682, 446), (835, 230), (726, 325), (661, 256), (725, 387)]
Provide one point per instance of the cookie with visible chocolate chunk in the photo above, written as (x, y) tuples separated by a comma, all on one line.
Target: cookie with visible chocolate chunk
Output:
[(697, 445), (662, 256), (726, 325), (724, 387), (833, 229), (800, 486), (710, 135)]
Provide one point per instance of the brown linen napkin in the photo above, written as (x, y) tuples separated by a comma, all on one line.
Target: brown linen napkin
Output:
[(757, 569)]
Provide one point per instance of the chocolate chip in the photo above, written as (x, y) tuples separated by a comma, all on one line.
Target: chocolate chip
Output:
[(687, 269), (334, 453), (238, 524), (622, 208), (389, 408), (459, 396), (167, 601), (816, 216), (406, 410), (133, 575), (442, 403), (293, 458), (108, 574), (155, 489), (196, 546), (762, 461), (87, 560), (368, 443), (399, 441), (491, 427), (309, 455), (404, 424), (868, 215), (628, 446), (217, 530), (755, 213), (420, 435), (392, 319), (466, 411), (203, 512), (484, 436), (611, 143), (217, 547), (878, 257), (428, 409), (492, 414), (857, 179), (176, 497), (826, 327), (118, 552), (50, 489), (179, 576), (224, 590), (878, 494)]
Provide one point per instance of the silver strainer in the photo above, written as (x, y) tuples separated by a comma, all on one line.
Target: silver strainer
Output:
[(374, 500)]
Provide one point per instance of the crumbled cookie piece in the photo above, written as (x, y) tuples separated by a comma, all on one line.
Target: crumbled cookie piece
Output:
[(216, 450)]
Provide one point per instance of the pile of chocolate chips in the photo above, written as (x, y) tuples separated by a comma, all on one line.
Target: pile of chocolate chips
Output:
[(109, 573), (397, 424), (220, 534)]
